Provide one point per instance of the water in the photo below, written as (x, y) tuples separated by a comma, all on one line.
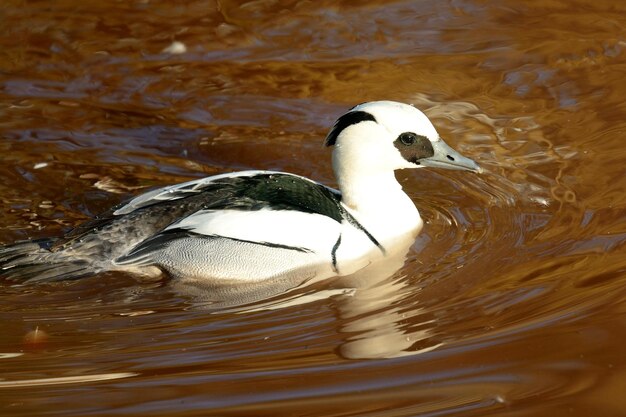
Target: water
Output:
[(510, 303)]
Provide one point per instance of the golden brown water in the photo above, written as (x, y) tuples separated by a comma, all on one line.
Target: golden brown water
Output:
[(512, 302)]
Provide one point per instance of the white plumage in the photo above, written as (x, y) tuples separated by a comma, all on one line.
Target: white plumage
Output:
[(258, 225)]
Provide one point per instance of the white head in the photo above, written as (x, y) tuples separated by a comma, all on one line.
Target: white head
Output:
[(381, 136)]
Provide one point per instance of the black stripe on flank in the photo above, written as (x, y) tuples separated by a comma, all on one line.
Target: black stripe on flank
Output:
[(354, 222), (346, 120), (268, 244), (163, 239), (334, 253)]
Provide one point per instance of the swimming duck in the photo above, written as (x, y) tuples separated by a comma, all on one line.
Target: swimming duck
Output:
[(258, 225)]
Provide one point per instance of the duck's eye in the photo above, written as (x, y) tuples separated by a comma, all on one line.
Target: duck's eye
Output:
[(407, 138)]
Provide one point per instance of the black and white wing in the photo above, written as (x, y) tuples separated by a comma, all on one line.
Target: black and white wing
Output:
[(276, 221)]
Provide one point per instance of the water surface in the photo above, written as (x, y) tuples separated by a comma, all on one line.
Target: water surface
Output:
[(510, 303)]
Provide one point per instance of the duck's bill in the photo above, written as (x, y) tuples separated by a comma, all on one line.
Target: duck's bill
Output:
[(446, 157)]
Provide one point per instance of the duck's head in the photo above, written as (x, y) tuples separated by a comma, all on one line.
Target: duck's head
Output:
[(384, 136)]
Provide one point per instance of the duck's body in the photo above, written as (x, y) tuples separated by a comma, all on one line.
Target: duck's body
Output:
[(257, 225)]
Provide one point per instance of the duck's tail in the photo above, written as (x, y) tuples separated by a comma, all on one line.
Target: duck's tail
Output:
[(33, 261)]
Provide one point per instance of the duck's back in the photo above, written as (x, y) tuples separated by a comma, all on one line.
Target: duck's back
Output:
[(249, 225)]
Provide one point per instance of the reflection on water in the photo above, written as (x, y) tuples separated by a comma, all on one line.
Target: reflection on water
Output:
[(374, 316), (511, 300), (362, 300)]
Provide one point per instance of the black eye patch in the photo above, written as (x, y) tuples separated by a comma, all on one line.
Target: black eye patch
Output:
[(414, 147)]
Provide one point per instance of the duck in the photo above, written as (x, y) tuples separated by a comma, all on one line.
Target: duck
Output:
[(256, 225)]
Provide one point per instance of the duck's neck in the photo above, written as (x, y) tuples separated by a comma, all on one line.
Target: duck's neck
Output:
[(377, 201)]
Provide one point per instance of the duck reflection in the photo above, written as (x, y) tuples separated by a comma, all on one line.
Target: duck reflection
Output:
[(374, 316), (369, 303)]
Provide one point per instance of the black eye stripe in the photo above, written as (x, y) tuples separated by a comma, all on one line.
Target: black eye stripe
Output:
[(346, 120)]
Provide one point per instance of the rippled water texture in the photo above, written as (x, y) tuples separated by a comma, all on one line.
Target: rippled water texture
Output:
[(510, 303)]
